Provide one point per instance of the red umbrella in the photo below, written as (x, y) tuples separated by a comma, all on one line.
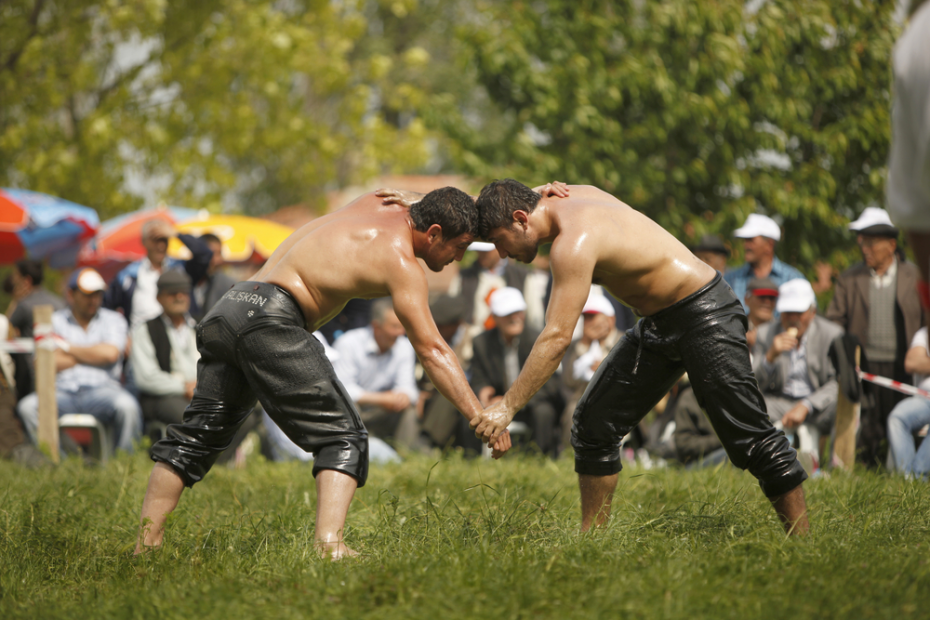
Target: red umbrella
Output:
[(39, 226)]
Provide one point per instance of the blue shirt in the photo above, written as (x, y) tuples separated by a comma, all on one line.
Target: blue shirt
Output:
[(363, 368), (739, 278), (107, 327)]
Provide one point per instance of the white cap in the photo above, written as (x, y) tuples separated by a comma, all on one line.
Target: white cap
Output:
[(758, 226), (505, 301), (795, 296), (87, 281), (598, 304), (480, 246), (874, 221)]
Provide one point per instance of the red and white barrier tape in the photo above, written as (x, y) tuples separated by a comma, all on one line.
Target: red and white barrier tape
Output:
[(17, 345), (910, 390)]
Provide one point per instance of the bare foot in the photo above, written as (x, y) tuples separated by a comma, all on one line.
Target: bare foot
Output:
[(335, 550)]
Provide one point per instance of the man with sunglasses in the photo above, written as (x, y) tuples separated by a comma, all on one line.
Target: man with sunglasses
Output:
[(761, 295)]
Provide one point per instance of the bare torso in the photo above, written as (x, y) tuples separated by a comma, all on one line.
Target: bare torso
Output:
[(345, 254), (637, 260)]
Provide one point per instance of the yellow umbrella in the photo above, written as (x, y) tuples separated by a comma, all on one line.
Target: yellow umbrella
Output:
[(244, 238)]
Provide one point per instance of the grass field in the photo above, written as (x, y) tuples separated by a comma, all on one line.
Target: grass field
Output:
[(453, 538)]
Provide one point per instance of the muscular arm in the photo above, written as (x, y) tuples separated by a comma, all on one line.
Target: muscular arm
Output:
[(572, 269)]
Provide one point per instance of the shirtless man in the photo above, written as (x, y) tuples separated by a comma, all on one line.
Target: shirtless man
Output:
[(256, 344), (693, 322)]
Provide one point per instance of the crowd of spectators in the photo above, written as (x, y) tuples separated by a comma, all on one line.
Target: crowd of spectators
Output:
[(127, 352)]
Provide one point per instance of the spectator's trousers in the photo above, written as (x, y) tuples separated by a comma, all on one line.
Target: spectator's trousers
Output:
[(704, 335), (254, 346)]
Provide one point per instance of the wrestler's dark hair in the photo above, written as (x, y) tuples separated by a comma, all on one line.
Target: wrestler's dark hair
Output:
[(451, 208), (497, 202), (33, 269)]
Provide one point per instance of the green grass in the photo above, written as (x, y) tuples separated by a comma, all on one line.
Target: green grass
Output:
[(453, 538)]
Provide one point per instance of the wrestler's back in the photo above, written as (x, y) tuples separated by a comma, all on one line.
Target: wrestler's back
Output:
[(638, 261), (340, 256)]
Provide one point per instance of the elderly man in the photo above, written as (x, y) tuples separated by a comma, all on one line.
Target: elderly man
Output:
[(499, 355), (133, 290), (876, 301), (759, 234), (91, 341), (164, 353), (793, 367), (761, 295), (376, 366)]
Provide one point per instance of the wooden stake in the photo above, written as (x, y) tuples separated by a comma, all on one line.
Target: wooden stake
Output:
[(847, 423), (45, 385)]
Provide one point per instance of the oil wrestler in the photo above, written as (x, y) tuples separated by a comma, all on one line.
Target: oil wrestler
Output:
[(692, 322), (256, 344)]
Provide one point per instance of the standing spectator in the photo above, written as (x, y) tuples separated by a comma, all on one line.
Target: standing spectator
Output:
[(133, 290), (488, 273), (792, 364), (876, 302), (761, 295), (13, 443), (165, 355), (598, 336), (27, 277), (713, 251), (499, 355), (912, 414), (214, 284), (759, 235), (376, 366), (91, 340), (909, 164)]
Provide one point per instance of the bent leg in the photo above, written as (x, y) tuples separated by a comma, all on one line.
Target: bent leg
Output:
[(161, 498), (791, 509)]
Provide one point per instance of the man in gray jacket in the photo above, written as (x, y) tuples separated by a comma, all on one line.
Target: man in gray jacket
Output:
[(792, 364)]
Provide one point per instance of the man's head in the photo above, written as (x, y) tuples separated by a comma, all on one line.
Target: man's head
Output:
[(599, 318), (385, 324), (713, 252), (761, 295), (504, 207), (85, 293), (449, 218), (155, 236), (27, 275), (448, 313), (797, 305), (759, 235), (509, 310), (877, 238), (216, 246), (174, 293)]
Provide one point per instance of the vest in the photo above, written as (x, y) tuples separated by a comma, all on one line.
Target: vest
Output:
[(159, 335)]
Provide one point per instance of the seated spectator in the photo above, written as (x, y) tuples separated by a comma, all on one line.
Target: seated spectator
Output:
[(133, 290), (759, 234), (214, 284), (792, 365), (696, 443), (164, 353), (27, 277), (761, 295), (376, 366), (488, 273), (599, 335), (912, 414), (499, 355), (88, 362), (13, 443), (713, 251)]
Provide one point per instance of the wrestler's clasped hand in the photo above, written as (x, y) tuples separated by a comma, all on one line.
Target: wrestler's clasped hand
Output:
[(491, 423), (501, 445), (398, 197), (556, 188)]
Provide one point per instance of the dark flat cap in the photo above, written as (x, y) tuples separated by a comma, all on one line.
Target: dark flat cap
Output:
[(173, 281), (447, 310), (712, 243)]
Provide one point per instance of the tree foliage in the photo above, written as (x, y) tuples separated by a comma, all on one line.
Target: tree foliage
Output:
[(265, 99), (696, 113)]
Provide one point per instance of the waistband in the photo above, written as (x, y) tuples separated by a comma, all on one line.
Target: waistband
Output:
[(715, 295), (267, 299)]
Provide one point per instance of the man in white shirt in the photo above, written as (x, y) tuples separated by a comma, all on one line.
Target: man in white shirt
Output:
[(376, 366), (912, 414), (164, 353)]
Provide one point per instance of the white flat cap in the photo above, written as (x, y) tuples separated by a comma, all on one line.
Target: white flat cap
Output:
[(758, 226), (505, 301), (598, 304), (795, 296)]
